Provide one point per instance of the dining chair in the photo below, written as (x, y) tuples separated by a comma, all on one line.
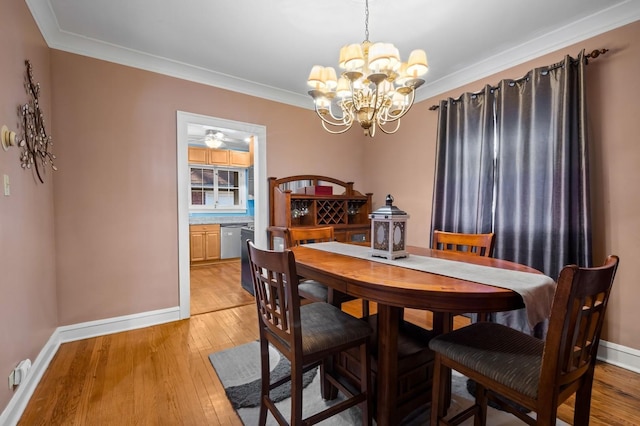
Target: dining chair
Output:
[(308, 336), (509, 366), (311, 289), (475, 244)]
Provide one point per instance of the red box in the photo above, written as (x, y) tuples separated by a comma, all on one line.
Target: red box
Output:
[(316, 190)]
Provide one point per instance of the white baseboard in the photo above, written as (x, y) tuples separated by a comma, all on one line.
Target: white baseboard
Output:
[(618, 355), (13, 411), (612, 353), (85, 330)]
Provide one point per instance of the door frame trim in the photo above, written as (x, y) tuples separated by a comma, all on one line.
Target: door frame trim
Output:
[(261, 207)]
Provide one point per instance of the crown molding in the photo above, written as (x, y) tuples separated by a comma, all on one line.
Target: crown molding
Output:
[(590, 26), (56, 38)]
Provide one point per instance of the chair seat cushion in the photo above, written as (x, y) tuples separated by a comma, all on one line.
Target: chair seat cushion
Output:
[(313, 290), (500, 353), (324, 327)]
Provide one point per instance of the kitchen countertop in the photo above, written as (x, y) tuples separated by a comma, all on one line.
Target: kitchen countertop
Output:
[(222, 220)]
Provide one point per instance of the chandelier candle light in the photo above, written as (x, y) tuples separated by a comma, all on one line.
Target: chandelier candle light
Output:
[(374, 89)]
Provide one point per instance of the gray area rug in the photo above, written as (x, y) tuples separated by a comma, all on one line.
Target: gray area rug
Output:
[(239, 371), (240, 366)]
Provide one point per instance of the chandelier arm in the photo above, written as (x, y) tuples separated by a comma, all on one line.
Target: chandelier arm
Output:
[(332, 115), (376, 107), (405, 109), (389, 118), (346, 114), (355, 101), (336, 132), (410, 104), (390, 132), (346, 120)]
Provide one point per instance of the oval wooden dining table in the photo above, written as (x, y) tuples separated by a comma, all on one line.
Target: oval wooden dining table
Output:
[(394, 288)]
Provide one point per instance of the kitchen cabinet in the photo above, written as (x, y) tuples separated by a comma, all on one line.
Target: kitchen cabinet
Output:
[(323, 201), (204, 242), (239, 158), (198, 155), (219, 157)]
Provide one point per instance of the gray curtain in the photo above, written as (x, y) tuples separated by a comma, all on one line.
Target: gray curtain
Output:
[(542, 217), (462, 200), (529, 138)]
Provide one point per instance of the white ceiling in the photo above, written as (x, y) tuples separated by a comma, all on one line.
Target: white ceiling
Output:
[(266, 48)]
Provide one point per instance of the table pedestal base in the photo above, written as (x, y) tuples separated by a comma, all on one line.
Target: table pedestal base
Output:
[(414, 366)]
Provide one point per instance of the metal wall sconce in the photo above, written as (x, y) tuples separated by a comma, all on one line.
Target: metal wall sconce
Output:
[(7, 138)]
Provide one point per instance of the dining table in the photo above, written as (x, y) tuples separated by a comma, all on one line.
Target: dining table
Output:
[(395, 287)]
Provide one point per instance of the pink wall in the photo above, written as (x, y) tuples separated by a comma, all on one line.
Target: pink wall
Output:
[(614, 103), (28, 314), (116, 199), (114, 249)]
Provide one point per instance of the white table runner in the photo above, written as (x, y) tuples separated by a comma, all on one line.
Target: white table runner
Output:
[(537, 290)]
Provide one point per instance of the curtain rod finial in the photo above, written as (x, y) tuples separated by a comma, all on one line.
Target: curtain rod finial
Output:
[(594, 54)]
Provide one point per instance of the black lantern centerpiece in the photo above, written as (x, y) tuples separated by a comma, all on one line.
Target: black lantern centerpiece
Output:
[(388, 231)]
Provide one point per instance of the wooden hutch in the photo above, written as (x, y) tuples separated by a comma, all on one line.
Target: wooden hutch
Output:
[(311, 200)]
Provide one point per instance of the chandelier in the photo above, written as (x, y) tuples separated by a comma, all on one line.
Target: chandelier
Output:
[(375, 88)]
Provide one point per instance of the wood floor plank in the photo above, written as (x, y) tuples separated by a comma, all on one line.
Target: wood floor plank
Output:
[(161, 375), (216, 286)]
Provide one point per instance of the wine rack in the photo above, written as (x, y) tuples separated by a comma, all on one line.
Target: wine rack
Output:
[(293, 203), (330, 212)]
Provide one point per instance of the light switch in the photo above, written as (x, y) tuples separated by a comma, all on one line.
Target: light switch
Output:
[(7, 186)]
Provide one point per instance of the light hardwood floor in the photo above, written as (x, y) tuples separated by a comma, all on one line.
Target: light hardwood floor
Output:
[(217, 286), (161, 375)]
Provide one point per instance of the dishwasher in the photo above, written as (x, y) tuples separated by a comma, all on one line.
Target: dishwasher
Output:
[(247, 233), (230, 241)]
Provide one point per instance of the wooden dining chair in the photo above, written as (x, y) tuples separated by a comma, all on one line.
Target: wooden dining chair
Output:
[(510, 366), (311, 289), (308, 336), (475, 244)]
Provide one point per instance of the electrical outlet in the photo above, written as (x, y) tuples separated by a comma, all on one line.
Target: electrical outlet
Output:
[(21, 371)]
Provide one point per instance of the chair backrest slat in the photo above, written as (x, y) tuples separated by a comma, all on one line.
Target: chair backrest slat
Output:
[(275, 283), (305, 235), (475, 244), (577, 315)]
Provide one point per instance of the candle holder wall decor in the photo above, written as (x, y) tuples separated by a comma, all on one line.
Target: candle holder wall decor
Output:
[(33, 139)]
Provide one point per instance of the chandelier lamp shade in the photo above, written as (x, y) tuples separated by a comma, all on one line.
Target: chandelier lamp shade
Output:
[(375, 87)]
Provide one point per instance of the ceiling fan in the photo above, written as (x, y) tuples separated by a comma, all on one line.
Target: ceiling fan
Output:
[(214, 139)]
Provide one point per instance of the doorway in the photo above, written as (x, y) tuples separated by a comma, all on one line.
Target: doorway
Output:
[(184, 119)]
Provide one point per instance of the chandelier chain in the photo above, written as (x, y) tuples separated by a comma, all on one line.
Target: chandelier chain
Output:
[(366, 20)]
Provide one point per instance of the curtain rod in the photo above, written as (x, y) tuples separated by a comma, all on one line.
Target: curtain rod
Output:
[(593, 55)]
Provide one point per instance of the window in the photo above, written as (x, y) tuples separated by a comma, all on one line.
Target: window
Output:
[(216, 189)]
